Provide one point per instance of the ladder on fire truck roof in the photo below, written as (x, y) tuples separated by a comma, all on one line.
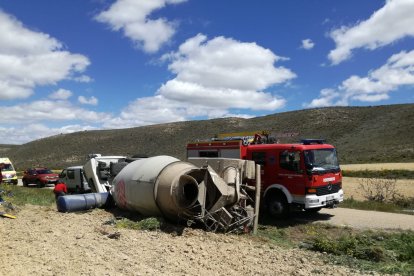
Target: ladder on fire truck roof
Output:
[(251, 137), (242, 134), (259, 137)]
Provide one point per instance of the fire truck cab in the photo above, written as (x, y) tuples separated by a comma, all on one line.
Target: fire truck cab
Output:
[(304, 175)]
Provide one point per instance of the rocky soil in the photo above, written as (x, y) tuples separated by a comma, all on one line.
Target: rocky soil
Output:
[(42, 241)]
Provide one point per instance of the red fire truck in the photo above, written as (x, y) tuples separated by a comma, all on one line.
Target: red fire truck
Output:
[(304, 175)]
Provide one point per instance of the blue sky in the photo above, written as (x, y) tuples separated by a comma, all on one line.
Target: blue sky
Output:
[(78, 65)]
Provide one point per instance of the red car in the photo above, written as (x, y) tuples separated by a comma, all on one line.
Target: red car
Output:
[(39, 176)]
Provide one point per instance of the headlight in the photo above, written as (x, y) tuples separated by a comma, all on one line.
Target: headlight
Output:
[(313, 200)]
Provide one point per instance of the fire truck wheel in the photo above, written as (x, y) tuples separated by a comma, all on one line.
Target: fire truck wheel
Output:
[(277, 206)]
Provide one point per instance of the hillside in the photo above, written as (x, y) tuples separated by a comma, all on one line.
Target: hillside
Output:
[(6, 148), (361, 135)]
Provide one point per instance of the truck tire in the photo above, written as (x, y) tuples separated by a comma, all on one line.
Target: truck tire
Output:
[(40, 184), (277, 206), (24, 181)]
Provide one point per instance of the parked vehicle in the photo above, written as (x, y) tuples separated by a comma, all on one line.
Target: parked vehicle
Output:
[(75, 179), (39, 176), (8, 171), (304, 175)]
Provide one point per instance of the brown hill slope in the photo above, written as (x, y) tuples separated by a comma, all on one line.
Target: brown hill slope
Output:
[(361, 134)]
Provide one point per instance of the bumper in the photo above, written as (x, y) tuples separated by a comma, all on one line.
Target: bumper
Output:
[(10, 180), (314, 201)]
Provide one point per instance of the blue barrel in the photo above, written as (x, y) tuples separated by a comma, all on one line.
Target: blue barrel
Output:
[(82, 202)]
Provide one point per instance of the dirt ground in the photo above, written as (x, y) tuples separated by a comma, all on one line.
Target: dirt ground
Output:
[(42, 241)]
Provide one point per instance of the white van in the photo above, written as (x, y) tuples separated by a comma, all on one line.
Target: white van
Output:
[(74, 179), (8, 171)]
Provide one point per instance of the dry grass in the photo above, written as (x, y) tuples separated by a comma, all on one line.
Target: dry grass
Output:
[(351, 187), (378, 167)]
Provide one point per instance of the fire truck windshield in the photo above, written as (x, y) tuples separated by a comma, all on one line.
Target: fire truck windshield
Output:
[(321, 160)]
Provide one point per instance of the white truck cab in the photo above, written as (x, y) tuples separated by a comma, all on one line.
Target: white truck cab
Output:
[(98, 171), (75, 179)]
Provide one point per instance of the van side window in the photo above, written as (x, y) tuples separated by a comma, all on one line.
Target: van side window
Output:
[(290, 160), (71, 174), (259, 157)]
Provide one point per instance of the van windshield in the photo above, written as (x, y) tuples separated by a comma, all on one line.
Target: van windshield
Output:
[(7, 168), (321, 160)]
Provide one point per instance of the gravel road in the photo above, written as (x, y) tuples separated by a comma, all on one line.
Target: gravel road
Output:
[(360, 219)]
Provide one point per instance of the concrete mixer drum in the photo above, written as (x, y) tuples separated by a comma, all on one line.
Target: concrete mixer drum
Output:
[(181, 191)]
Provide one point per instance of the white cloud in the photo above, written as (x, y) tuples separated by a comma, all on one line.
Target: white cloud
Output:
[(91, 101), (132, 17), (213, 78), (226, 63), (158, 109), (21, 134), (327, 97), (376, 86), (307, 44), (49, 111), (29, 59), (219, 97), (61, 94), (392, 22), (83, 78), (148, 111), (30, 121)]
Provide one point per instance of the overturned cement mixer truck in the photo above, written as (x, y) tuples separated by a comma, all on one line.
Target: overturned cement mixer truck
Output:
[(210, 192)]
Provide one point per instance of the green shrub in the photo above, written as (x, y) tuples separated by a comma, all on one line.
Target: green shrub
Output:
[(371, 205), (150, 224), (384, 248)]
